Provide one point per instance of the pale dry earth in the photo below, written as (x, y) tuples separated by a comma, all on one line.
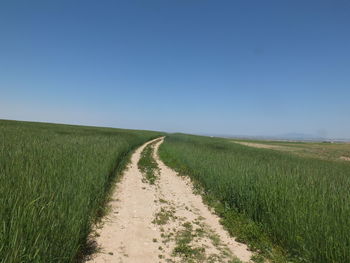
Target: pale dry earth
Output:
[(345, 158), (260, 145), (146, 222), (285, 148)]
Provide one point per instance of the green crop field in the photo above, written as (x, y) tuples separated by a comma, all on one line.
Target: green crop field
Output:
[(322, 150), (303, 203), (54, 181)]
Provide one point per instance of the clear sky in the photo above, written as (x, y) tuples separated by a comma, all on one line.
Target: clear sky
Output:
[(197, 66)]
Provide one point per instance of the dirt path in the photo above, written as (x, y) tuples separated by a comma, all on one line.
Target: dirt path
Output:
[(263, 146), (164, 222)]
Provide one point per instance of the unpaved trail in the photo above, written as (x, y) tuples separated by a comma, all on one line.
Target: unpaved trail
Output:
[(164, 222), (263, 146)]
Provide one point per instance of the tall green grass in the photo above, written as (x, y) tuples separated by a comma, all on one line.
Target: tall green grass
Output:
[(303, 203), (53, 181)]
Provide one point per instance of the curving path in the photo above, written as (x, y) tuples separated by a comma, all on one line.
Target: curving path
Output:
[(164, 222)]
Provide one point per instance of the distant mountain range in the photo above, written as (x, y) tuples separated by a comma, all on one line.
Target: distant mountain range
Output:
[(301, 136)]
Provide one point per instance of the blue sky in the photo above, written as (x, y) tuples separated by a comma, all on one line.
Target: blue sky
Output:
[(196, 66)]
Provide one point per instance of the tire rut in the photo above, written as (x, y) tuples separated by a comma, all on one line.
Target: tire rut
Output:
[(162, 222)]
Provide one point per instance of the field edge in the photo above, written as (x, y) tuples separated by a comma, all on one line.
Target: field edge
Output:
[(89, 246), (239, 226)]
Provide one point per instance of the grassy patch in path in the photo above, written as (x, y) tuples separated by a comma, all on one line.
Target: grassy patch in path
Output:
[(164, 215), (184, 248), (147, 165)]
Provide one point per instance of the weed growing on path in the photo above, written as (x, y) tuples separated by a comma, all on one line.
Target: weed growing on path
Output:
[(147, 165)]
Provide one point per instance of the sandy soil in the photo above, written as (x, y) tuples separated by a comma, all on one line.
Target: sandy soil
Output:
[(164, 222), (260, 145), (345, 158), (313, 152)]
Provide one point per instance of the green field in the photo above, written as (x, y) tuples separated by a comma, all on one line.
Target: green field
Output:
[(291, 203), (54, 182), (322, 150), (302, 203)]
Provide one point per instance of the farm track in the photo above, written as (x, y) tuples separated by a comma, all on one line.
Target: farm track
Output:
[(162, 222)]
